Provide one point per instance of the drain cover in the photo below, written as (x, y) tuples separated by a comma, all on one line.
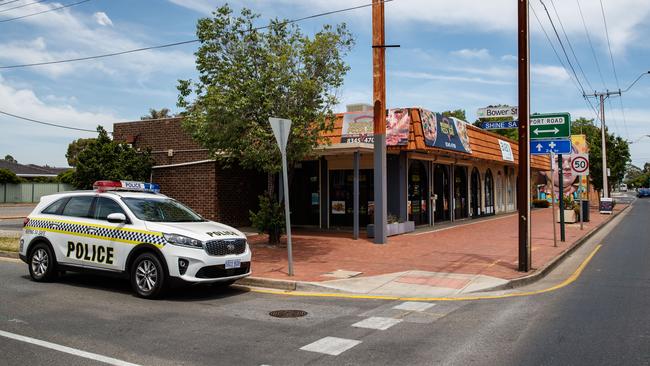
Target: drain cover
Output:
[(288, 313)]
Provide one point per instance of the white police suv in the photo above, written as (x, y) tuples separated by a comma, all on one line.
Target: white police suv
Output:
[(129, 229)]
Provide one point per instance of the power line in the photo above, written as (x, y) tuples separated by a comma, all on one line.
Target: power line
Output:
[(584, 76), (44, 11), (9, 2), (611, 57), (576, 82), (591, 45), (182, 42), (47, 123), (22, 6)]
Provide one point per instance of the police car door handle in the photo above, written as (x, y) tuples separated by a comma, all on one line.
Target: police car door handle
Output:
[(91, 230)]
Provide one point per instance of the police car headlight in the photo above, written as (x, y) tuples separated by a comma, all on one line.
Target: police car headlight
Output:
[(183, 241)]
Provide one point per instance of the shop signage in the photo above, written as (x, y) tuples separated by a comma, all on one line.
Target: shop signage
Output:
[(543, 147), (506, 151), (499, 125), (358, 127), (397, 127), (553, 125), (497, 112), (447, 133), (580, 164)]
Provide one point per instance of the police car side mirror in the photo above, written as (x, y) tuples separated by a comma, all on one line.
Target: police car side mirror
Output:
[(116, 218)]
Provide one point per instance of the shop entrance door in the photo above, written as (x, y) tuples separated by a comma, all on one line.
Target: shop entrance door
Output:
[(476, 193), (418, 193), (489, 193), (305, 197), (441, 188), (460, 192)]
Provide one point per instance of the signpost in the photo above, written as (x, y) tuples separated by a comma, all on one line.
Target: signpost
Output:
[(552, 125), (543, 147), (497, 112), (553, 198), (281, 130), (580, 166), (499, 125)]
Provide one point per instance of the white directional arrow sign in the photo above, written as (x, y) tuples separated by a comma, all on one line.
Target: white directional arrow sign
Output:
[(537, 131)]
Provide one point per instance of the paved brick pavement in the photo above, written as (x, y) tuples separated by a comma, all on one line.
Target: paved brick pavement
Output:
[(486, 247)]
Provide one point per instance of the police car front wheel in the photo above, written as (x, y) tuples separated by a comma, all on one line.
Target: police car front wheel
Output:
[(148, 276), (42, 264)]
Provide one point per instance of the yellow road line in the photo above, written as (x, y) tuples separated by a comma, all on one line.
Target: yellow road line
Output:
[(574, 276)]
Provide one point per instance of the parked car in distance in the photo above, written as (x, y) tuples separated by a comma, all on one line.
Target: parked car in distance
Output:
[(643, 192)]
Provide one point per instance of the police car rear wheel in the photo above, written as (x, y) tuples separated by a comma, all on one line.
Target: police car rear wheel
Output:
[(147, 276), (42, 263)]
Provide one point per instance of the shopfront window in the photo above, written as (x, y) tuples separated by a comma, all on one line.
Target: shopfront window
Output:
[(489, 193), (418, 193), (342, 197)]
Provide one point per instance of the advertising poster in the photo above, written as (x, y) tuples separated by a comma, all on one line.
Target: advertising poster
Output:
[(570, 180), (338, 207), (445, 132), (397, 127), (358, 127)]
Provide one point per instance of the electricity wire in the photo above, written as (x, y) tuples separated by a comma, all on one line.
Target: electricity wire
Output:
[(44, 11), (182, 42), (47, 123), (22, 6), (591, 45)]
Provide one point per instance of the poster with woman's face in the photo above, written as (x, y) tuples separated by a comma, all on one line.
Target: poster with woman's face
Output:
[(569, 178)]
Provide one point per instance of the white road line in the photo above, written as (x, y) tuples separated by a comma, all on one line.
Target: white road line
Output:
[(377, 322), (413, 306), (332, 346), (72, 351)]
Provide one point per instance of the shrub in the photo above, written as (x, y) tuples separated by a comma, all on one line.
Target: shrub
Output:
[(7, 176), (269, 219)]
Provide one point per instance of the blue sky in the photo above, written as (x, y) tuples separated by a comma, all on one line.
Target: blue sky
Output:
[(453, 54)]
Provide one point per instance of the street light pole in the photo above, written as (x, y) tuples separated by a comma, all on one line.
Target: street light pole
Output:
[(602, 96), (523, 186)]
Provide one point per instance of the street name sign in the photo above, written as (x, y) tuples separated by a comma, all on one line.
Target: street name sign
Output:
[(543, 147), (580, 164), (497, 112), (499, 125), (548, 126)]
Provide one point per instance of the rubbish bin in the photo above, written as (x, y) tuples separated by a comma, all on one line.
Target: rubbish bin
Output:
[(585, 210)]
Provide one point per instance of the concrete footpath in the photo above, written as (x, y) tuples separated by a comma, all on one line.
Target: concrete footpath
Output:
[(474, 255)]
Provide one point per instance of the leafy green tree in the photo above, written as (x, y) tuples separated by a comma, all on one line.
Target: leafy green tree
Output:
[(458, 113), (247, 75), (618, 152), (10, 159), (7, 176), (74, 148), (105, 159), (157, 114), (66, 177)]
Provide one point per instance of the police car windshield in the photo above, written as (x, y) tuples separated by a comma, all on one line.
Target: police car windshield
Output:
[(161, 210)]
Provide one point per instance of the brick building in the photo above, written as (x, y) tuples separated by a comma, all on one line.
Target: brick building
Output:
[(186, 172), (439, 169)]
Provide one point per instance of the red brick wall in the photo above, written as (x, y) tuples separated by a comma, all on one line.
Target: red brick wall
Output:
[(160, 136), (193, 185), (237, 192)]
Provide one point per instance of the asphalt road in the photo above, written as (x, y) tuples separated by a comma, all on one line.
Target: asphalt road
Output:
[(600, 319)]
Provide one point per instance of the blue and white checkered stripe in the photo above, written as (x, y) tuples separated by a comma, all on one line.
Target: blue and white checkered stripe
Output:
[(124, 235)]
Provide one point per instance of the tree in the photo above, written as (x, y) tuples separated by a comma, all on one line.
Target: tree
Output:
[(10, 159), (247, 75), (7, 176), (74, 148), (458, 113), (105, 159), (618, 152), (156, 114)]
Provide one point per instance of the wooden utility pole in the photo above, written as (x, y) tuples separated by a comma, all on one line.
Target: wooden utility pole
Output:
[(523, 189), (379, 104)]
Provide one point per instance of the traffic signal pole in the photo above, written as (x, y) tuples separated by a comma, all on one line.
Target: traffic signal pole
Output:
[(523, 188)]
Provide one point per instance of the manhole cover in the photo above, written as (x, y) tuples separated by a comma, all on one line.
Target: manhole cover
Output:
[(288, 313)]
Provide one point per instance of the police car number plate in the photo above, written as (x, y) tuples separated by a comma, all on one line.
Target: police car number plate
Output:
[(233, 263)]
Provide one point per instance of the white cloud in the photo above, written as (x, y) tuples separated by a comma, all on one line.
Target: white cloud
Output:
[(442, 77), (508, 58), (549, 74), (467, 53), (102, 19)]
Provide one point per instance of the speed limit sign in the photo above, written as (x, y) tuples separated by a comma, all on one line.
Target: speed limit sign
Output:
[(580, 164)]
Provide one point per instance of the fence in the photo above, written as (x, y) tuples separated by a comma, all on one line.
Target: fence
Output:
[(29, 192)]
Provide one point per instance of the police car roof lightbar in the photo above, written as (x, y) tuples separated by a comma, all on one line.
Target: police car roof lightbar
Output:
[(125, 185)]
